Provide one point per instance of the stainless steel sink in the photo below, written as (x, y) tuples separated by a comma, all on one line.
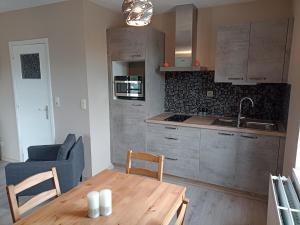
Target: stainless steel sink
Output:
[(225, 122), (246, 123), (260, 125)]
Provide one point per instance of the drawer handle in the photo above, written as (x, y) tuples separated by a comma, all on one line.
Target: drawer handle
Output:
[(235, 78), (171, 128), (169, 138), (249, 137), (137, 55), (257, 78), (225, 134), (169, 158), (137, 104)]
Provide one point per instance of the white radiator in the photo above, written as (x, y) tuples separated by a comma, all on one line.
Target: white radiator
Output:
[(284, 204)]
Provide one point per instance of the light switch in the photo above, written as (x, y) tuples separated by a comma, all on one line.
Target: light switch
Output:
[(83, 104), (57, 101)]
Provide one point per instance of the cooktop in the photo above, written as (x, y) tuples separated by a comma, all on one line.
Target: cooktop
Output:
[(178, 118)]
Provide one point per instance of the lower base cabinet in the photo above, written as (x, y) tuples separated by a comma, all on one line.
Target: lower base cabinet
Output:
[(218, 157), (179, 145), (238, 160)]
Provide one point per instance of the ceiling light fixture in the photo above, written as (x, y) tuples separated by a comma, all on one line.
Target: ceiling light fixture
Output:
[(137, 12)]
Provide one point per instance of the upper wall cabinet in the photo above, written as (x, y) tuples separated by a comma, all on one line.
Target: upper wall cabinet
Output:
[(232, 53), (268, 42), (127, 44), (256, 55)]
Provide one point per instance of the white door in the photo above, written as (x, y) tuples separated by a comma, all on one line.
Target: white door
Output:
[(33, 98)]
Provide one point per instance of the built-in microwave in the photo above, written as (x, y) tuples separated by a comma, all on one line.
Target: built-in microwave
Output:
[(129, 87)]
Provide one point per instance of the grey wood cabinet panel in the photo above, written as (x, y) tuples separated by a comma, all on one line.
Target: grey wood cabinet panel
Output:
[(128, 129), (127, 44), (256, 160), (173, 130), (267, 51), (232, 53), (218, 157), (179, 145)]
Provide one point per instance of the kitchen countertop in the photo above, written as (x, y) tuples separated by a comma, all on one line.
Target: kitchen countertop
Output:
[(206, 123)]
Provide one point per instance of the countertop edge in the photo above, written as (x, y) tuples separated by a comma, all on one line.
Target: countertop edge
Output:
[(214, 127)]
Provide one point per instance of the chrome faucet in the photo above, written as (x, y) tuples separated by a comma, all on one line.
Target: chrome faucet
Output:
[(240, 111)]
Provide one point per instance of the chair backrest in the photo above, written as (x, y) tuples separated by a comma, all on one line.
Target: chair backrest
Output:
[(77, 158), (13, 190), (181, 212), (146, 157)]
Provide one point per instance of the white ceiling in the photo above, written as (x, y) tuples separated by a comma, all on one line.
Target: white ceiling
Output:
[(165, 5), (159, 5)]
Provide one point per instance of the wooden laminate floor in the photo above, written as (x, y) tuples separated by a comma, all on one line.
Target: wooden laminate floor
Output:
[(208, 205)]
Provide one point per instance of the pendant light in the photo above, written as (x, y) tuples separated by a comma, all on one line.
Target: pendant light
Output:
[(137, 12)]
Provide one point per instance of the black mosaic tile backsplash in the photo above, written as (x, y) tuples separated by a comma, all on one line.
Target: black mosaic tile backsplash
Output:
[(186, 92)]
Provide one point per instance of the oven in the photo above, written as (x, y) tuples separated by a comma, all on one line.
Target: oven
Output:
[(129, 87)]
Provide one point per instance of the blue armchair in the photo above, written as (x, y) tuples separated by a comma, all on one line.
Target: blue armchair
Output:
[(43, 158)]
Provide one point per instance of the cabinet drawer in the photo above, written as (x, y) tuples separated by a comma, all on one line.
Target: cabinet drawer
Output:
[(179, 145), (178, 166), (173, 130)]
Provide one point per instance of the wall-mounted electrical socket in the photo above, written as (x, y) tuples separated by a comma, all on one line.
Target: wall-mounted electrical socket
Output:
[(210, 94)]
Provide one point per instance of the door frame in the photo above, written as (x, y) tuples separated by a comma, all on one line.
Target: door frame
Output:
[(12, 44)]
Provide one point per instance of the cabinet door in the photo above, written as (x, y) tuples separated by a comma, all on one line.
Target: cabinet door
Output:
[(232, 53), (127, 44), (257, 159), (218, 157), (267, 51), (128, 129)]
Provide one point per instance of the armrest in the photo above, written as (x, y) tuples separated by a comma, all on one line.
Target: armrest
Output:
[(17, 172), (43, 152)]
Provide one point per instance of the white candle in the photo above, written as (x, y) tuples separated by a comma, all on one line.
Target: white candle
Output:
[(105, 202), (93, 204)]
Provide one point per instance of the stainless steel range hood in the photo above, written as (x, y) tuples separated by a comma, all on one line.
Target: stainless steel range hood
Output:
[(186, 39)]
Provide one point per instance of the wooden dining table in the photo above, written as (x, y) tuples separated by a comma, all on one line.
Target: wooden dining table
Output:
[(136, 200)]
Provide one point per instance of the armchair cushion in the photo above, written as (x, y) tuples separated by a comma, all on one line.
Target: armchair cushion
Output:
[(64, 149)]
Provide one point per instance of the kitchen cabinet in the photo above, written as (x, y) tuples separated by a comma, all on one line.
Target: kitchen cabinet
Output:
[(256, 160), (134, 46), (238, 160), (235, 160), (128, 129), (232, 53), (218, 157), (179, 145), (253, 53), (127, 44), (268, 42)]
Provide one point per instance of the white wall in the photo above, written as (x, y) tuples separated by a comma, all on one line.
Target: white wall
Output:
[(62, 24), (294, 80), (97, 20), (76, 30)]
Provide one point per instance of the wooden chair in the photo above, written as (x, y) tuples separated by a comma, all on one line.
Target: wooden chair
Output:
[(181, 212), (13, 190), (146, 157)]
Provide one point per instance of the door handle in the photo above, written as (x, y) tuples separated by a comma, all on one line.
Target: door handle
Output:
[(46, 109)]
